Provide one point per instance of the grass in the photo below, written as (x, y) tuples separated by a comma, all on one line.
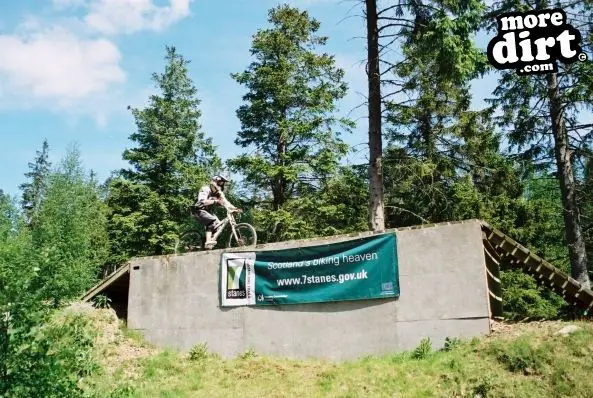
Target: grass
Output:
[(529, 362)]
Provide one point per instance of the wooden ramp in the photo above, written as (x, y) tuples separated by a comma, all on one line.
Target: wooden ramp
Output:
[(500, 249)]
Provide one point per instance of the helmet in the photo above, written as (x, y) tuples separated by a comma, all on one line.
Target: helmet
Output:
[(219, 181)]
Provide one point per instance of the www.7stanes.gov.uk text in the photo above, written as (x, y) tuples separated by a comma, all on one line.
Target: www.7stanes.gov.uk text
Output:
[(306, 279)]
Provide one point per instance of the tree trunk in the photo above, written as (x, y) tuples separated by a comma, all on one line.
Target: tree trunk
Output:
[(279, 188), (376, 210), (572, 224)]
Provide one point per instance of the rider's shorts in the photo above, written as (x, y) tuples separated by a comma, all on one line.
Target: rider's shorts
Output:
[(205, 218)]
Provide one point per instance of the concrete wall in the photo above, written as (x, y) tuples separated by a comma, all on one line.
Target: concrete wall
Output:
[(175, 302)]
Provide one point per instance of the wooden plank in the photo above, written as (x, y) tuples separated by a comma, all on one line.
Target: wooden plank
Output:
[(545, 273), (99, 287)]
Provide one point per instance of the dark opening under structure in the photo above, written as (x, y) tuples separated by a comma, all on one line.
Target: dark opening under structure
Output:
[(116, 287)]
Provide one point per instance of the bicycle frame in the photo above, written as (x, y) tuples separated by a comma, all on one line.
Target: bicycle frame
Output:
[(229, 219)]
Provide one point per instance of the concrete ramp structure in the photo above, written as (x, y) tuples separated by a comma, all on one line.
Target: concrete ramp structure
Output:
[(449, 287)]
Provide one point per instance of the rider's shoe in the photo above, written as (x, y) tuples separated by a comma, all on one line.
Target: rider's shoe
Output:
[(210, 243)]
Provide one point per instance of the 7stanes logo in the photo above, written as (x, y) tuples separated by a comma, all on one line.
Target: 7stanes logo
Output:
[(532, 42)]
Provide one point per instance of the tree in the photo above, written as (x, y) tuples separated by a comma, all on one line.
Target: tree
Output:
[(8, 216), (70, 234), (444, 160), (586, 205), (339, 206), (441, 31), (289, 115), (34, 189), (376, 209), (539, 112), (149, 202)]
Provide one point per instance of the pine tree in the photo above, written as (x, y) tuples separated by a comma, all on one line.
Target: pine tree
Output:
[(150, 201), (71, 231), (444, 159), (376, 189), (538, 113), (435, 37), (289, 117), (33, 190)]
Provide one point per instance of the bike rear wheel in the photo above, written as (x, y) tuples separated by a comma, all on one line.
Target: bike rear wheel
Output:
[(246, 236), (190, 241)]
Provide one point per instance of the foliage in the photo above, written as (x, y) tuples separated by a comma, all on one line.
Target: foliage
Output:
[(40, 355), (9, 217), (101, 301), (33, 190), (448, 162), (198, 352), (586, 200), (538, 225), (340, 206), (522, 356), (522, 297), (52, 358), (149, 202), (247, 355), (451, 343), (541, 115), (423, 350), (444, 161), (289, 115), (19, 311), (465, 176), (70, 235), (523, 100)]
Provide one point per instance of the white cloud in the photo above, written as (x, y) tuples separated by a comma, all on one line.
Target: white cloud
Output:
[(71, 65), (54, 64), (113, 17)]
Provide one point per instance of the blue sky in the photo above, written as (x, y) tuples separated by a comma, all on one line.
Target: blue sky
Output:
[(70, 68)]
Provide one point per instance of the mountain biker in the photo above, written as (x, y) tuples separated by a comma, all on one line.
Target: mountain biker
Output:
[(209, 195)]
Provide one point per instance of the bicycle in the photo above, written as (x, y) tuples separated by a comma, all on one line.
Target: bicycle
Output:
[(194, 239)]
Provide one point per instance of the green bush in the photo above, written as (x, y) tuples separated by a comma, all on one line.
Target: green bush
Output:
[(451, 343), (49, 360), (44, 353), (522, 297), (101, 301), (199, 352), (423, 349), (249, 354)]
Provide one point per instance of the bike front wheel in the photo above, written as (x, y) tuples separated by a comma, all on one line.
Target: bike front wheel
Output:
[(246, 236), (190, 241)]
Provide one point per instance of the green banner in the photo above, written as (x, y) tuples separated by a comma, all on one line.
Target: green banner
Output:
[(357, 269)]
